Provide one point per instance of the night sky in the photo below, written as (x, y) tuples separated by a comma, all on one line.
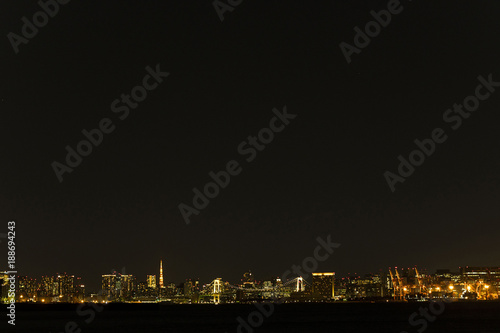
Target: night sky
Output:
[(323, 174)]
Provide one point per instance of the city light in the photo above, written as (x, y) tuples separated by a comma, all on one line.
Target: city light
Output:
[(402, 285)]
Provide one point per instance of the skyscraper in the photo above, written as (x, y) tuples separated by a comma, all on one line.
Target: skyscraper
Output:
[(117, 286), (188, 288), (65, 284), (152, 281), (323, 285), (110, 285), (48, 287), (4, 286), (161, 274)]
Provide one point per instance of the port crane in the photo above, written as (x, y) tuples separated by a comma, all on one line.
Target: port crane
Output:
[(396, 284)]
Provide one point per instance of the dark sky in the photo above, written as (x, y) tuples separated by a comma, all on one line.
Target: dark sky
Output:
[(322, 175)]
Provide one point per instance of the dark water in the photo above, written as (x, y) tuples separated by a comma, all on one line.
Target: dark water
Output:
[(477, 317)]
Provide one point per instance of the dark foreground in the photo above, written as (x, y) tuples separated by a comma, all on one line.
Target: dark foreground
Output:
[(471, 317)]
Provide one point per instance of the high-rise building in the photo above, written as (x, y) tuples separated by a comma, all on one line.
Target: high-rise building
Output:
[(47, 287), (171, 290), (188, 288), (152, 281), (323, 285), (4, 286), (142, 289), (118, 286), (127, 283), (161, 274), (109, 285), (27, 288), (66, 284), (79, 294)]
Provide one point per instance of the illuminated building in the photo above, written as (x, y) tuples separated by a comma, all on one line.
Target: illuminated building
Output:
[(489, 274), (446, 276), (79, 292), (142, 289), (323, 285), (109, 285), (152, 281), (4, 286), (369, 286), (26, 288), (65, 285), (267, 285), (484, 281), (118, 287), (47, 287), (171, 290), (188, 288), (127, 286)]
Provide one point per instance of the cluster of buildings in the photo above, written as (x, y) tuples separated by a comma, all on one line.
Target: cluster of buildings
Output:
[(49, 289), (471, 283)]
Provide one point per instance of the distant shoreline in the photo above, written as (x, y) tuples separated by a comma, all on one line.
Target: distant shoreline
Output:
[(153, 306)]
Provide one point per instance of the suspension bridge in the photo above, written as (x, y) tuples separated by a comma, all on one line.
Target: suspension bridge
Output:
[(218, 289)]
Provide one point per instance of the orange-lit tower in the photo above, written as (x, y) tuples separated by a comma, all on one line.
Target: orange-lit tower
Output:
[(161, 274)]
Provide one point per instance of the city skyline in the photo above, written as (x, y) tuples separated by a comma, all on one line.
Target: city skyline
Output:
[(469, 283), (323, 173), (233, 275), (249, 154), (150, 279)]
